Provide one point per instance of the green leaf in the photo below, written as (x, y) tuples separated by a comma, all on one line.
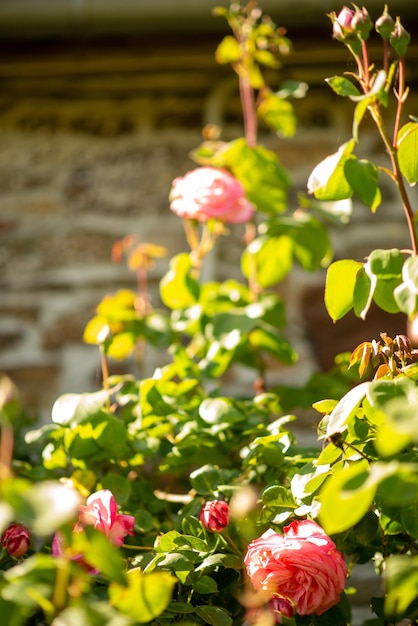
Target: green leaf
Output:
[(214, 615), (264, 180), (71, 409), (363, 177), (407, 142), (311, 242), (339, 287), (346, 409), (410, 274), (327, 181), (270, 258), (274, 344), (342, 86), (145, 597), (277, 113), (348, 494), (178, 289), (205, 584), (401, 573)]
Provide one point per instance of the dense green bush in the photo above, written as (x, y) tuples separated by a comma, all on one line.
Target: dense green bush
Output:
[(164, 500)]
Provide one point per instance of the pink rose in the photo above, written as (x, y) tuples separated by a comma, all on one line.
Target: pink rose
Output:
[(215, 515), (210, 193), (16, 540), (99, 511), (342, 25), (303, 565)]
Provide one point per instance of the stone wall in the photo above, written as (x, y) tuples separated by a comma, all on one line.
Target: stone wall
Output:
[(91, 136)]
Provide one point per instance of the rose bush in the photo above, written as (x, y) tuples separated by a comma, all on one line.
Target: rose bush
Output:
[(302, 566), (283, 523)]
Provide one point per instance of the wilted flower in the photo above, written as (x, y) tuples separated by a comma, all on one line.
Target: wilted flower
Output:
[(215, 515), (303, 566), (100, 511), (16, 540), (210, 193)]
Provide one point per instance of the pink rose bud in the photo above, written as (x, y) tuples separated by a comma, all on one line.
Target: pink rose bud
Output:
[(215, 515), (303, 565), (16, 540), (281, 606), (342, 23), (210, 193)]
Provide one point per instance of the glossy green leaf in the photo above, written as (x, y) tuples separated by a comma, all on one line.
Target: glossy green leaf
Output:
[(408, 151), (342, 86), (145, 597), (339, 287), (279, 114), (214, 615), (410, 274), (71, 409), (401, 575), (310, 238), (327, 181), (274, 344), (178, 288), (265, 181), (346, 409), (363, 177), (269, 259), (348, 494)]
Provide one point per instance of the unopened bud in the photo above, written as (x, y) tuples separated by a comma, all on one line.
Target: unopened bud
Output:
[(385, 24), (215, 515), (362, 24), (399, 38), (16, 540), (342, 24)]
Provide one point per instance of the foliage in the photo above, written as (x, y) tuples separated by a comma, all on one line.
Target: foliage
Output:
[(202, 473)]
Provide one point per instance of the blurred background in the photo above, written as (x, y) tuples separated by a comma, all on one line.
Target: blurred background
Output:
[(100, 105)]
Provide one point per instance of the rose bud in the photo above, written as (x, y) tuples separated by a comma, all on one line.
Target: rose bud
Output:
[(215, 515), (385, 24), (342, 24), (281, 606), (399, 38), (16, 540), (362, 24)]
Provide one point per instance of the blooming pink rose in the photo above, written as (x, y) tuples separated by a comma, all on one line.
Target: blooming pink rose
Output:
[(99, 511), (16, 540), (303, 565), (215, 515), (210, 193)]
